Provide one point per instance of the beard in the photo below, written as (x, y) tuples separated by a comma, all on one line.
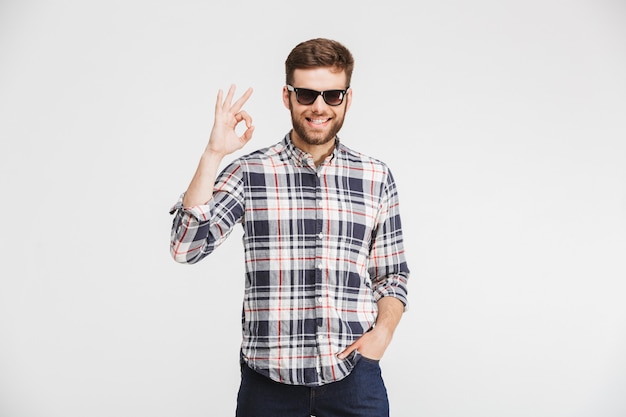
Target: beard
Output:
[(313, 137)]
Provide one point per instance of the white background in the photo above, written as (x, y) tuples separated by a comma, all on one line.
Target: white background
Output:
[(503, 122)]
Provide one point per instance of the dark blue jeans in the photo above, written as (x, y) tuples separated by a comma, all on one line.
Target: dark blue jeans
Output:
[(360, 394)]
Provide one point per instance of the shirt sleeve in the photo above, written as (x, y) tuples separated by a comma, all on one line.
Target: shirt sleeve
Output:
[(198, 230), (388, 268)]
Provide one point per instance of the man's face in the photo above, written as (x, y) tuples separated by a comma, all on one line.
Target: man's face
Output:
[(317, 123)]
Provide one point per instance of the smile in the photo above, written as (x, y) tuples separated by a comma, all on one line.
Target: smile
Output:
[(317, 121)]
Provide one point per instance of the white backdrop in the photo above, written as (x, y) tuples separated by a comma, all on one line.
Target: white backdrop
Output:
[(503, 122)]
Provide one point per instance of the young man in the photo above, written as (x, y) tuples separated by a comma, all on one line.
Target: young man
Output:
[(325, 270)]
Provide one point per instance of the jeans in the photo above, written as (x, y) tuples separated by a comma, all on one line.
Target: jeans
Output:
[(360, 394)]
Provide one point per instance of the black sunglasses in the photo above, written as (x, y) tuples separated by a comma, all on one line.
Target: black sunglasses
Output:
[(307, 97)]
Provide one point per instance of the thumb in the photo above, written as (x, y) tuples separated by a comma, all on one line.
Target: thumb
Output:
[(247, 135), (347, 351)]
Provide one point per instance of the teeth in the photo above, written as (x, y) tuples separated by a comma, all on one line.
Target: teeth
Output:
[(318, 121)]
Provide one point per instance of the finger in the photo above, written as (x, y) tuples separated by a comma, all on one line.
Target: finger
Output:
[(243, 115), (247, 135), (218, 101), (229, 97), (242, 100)]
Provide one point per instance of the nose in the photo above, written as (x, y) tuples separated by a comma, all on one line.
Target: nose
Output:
[(319, 104)]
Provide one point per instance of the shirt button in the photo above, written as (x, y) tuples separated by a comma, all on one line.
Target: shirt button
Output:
[(320, 300), (320, 266), (321, 235), (319, 203)]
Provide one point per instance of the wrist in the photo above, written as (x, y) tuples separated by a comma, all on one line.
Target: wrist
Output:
[(212, 155)]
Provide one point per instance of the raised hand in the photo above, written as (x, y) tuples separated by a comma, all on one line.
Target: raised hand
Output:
[(224, 139)]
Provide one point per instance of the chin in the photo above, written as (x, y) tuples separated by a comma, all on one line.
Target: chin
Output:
[(317, 140)]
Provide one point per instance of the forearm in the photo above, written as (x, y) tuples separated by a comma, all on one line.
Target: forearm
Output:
[(200, 188), (390, 311)]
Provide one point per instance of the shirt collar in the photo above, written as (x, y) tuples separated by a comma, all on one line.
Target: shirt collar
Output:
[(302, 158)]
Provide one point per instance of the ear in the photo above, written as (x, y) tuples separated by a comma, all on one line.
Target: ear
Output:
[(348, 98), (286, 97)]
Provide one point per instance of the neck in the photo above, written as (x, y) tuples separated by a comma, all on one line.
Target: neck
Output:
[(318, 152)]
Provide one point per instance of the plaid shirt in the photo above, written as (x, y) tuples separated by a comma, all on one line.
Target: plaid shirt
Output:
[(322, 245)]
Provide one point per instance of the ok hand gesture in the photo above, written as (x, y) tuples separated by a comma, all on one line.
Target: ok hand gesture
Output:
[(224, 139)]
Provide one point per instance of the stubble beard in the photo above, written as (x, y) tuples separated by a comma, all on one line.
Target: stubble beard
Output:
[(315, 138)]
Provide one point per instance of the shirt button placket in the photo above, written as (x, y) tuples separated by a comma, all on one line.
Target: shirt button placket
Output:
[(319, 272), (319, 226)]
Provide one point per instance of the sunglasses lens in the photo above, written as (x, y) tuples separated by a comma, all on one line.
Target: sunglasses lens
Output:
[(305, 96), (333, 97)]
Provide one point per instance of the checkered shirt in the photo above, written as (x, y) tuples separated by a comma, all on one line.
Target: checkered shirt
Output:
[(322, 246)]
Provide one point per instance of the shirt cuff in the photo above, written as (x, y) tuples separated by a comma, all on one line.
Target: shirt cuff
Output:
[(201, 212), (395, 291)]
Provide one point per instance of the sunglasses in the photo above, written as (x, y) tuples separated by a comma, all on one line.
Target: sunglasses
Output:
[(307, 97)]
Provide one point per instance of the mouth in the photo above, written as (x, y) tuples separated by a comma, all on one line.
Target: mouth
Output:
[(318, 122)]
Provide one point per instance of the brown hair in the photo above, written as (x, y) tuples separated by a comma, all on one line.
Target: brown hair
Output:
[(319, 52)]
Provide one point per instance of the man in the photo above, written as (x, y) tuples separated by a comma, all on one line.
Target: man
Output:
[(325, 270)]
